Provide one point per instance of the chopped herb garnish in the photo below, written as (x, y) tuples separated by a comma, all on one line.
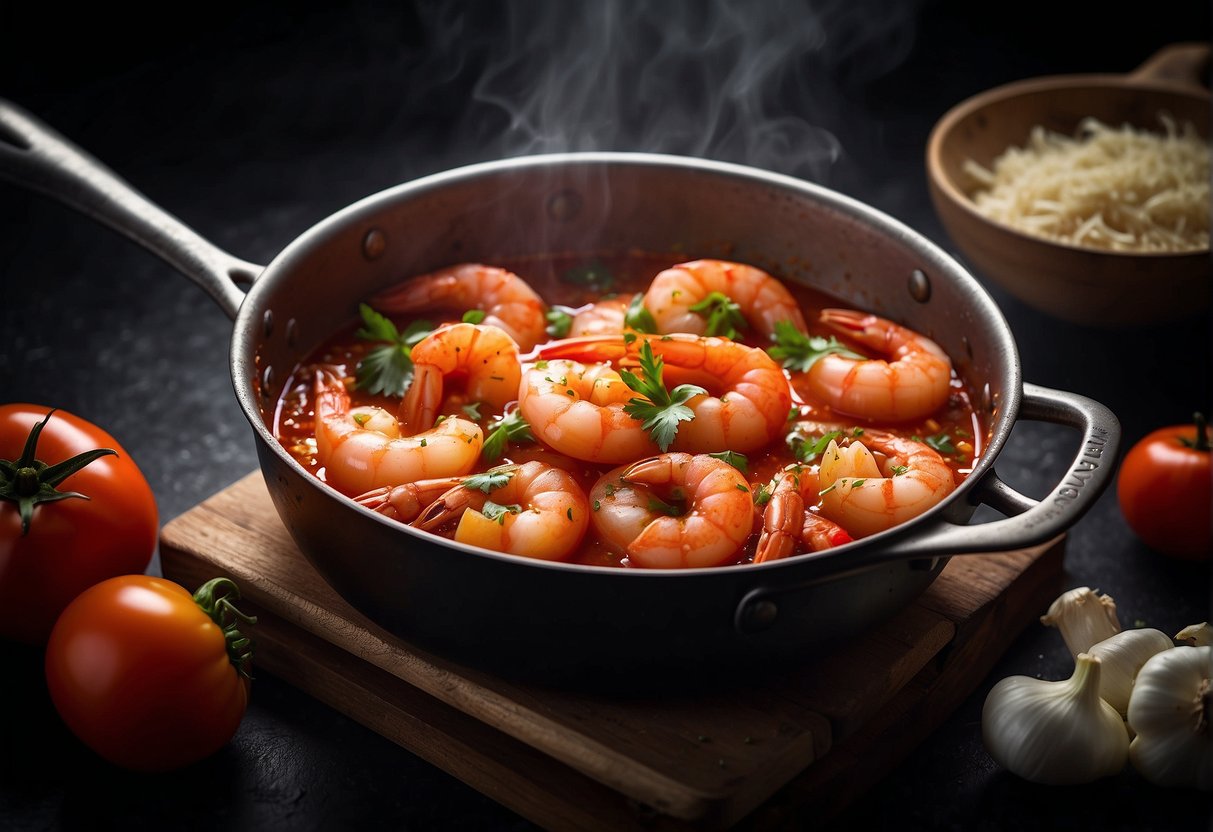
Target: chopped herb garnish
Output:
[(662, 507), (723, 314), (898, 470), (597, 505), (569, 514), (741, 487), (629, 337), (493, 511), (735, 459), (799, 352), (491, 479), (857, 483), (472, 411), (638, 317), (942, 443), (593, 275), (660, 410), (806, 451), (763, 495), (541, 364), (559, 322), (509, 427), (360, 419), (387, 369), (474, 316)]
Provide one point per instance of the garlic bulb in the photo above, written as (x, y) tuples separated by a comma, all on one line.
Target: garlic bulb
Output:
[(1083, 617), (1055, 732), (1196, 635), (1121, 657), (1170, 710)]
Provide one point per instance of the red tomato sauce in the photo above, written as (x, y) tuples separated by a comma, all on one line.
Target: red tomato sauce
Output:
[(570, 282)]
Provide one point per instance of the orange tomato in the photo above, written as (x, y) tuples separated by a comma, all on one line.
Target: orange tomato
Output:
[(149, 676), (1165, 490)]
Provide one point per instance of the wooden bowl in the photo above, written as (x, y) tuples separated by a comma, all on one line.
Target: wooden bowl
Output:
[(1076, 284)]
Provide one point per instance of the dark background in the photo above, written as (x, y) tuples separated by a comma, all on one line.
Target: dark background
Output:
[(253, 121)]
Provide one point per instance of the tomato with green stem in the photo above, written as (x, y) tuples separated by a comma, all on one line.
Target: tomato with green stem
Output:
[(1165, 490), (149, 676), (75, 509)]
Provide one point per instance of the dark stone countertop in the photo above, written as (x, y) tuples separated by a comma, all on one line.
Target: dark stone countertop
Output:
[(253, 121)]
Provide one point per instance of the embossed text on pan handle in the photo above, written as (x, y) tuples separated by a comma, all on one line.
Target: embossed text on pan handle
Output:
[(36, 157)]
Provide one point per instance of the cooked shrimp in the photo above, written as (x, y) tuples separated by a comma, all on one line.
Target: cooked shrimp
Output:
[(786, 521), (406, 502), (530, 509), (762, 299), (913, 384), (362, 448), (506, 299), (867, 497), (632, 511), (604, 317), (748, 396), (577, 409), (486, 355)]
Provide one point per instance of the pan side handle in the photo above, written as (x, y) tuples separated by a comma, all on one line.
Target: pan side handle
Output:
[(36, 157), (1030, 523)]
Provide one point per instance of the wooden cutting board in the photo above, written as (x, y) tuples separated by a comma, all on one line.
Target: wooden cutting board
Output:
[(808, 740)]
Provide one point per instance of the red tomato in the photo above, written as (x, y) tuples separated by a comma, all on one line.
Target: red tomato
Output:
[(145, 676), (70, 543), (1166, 490)]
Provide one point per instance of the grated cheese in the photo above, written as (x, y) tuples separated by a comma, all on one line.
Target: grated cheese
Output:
[(1106, 188)]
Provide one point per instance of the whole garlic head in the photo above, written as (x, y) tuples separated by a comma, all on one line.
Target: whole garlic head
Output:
[(1055, 732), (1170, 710)]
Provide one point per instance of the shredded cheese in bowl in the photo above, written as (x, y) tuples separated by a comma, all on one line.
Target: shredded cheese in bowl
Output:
[(1119, 189)]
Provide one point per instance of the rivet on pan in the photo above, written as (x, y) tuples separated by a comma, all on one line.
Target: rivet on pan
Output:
[(267, 323), (964, 339), (920, 286), (759, 615), (292, 333), (267, 381), (564, 205), (987, 398), (374, 244)]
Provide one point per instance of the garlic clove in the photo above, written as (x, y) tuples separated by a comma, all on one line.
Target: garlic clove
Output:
[(1196, 635), (1055, 732), (1121, 657), (1170, 710), (1084, 618)]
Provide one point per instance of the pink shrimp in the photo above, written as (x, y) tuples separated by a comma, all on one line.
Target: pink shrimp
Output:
[(362, 448), (787, 522), (506, 299), (914, 383), (632, 513), (762, 299), (865, 496), (486, 355)]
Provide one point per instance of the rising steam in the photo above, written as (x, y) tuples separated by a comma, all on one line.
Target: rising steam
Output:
[(759, 83)]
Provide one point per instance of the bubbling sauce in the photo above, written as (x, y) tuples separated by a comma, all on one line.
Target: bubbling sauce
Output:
[(572, 282)]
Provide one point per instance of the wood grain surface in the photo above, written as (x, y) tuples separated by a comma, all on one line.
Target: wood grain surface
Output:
[(790, 742)]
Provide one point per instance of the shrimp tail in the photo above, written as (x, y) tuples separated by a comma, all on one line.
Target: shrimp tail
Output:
[(820, 533), (781, 526)]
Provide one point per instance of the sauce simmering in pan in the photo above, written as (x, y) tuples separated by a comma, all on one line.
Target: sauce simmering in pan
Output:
[(633, 410)]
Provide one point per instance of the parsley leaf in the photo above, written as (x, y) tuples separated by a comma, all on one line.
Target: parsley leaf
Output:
[(723, 314), (735, 459), (387, 369), (800, 352), (806, 451), (763, 495), (559, 322), (509, 427), (638, 317), (472, 411), (659, 506), (941, 442), (491, 479), (474, 316), (660, 410), (593, 275), (493, 511)]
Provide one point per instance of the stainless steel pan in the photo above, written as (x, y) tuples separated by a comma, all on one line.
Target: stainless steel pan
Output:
[(559, 621)]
